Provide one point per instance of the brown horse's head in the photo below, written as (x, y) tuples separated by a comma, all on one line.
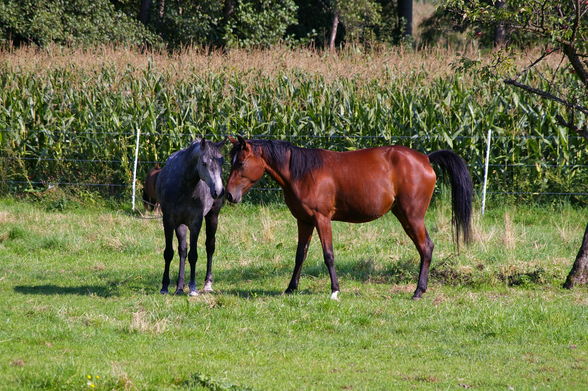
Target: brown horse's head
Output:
[(247, 167)]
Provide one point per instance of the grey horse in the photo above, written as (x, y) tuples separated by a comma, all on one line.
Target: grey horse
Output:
[(190, 189)]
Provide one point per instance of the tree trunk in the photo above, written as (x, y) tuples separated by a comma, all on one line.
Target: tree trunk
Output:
[(576, 62), (161, 9), (144, 11), (334, 27), (228, 9), (499, 30), (579, 273), (405, 14)]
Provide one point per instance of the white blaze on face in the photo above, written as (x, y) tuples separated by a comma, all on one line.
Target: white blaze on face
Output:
[(209, 170), (217, 180)]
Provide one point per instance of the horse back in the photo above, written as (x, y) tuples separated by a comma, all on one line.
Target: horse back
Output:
[(362, 185)]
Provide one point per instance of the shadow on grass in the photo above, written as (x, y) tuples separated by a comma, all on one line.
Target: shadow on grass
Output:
[(251, 293), (114, 285), (50, 289), (366, 270)]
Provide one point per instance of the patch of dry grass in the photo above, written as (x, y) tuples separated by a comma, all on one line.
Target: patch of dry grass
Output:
[(143, 322), (508, 235)]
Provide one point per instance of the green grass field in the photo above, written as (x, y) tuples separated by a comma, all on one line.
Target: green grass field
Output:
[(80, 305)]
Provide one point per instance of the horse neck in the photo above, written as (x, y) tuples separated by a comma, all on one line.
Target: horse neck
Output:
[(279, 171), (190, 174)]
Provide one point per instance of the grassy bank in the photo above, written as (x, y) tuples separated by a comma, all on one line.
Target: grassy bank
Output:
[(80, 306)]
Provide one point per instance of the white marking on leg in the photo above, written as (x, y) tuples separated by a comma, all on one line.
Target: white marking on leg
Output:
[(208, 287), (193, 293), (335, 296)]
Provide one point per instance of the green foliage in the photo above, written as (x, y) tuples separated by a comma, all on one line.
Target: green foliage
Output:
[(250, 23), (76, 22), (194, 23), (562, 27), (444, 28), (555, 22), (74, 125), (361, 18), (259, 23), (365, 21)]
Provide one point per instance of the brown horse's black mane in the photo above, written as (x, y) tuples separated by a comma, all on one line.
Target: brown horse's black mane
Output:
[(302, 160)]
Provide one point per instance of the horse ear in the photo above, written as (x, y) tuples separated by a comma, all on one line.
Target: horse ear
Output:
[(203, 144), (221, 143), (232, 139), (243, 143)]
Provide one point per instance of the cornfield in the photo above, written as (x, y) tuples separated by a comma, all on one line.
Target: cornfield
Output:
[(77, 124)]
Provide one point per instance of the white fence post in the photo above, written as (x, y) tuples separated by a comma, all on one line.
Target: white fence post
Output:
[(135, 166), (486, 171)]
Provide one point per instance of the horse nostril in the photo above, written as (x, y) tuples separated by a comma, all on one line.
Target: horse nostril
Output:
[(229, 197)]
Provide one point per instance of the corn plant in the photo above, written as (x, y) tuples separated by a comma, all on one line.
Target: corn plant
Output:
[(77, 125)]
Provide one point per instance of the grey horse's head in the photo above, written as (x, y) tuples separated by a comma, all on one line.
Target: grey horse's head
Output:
[(209, 163)]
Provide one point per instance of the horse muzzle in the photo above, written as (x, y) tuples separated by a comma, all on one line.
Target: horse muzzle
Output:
[(232, 198), (216, 195)]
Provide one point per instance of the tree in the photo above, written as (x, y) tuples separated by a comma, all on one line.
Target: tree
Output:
[(334, 28), (405, 16), (562, 27), (357, 16), (258, 23), (144, 11), (74, 22), (499, 30)]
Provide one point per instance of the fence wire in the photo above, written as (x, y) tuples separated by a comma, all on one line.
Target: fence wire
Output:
[(504, 168)]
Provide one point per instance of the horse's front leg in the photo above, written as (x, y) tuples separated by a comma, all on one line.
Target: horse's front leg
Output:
[(181, 232), (304, 236), (211, 225), (193, 253), (323, 227)]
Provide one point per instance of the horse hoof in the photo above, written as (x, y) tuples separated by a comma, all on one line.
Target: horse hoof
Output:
[(193, 293), (417, 295), (208, 287), (179, 292), (164, 291), (335, 296)]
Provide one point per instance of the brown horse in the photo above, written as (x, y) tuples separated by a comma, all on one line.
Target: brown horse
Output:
[(358, 186), (150, 201)]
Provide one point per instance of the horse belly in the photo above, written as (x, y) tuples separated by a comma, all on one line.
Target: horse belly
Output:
[(366, 202)]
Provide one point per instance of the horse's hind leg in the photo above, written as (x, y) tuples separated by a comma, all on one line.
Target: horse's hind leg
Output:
[(168, 255), (181, 232), (324, 229), (193, 253), (413, 223), (211, 225)]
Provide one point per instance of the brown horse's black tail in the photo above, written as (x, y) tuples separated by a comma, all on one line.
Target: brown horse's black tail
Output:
[(461, 191), (146, 200)]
